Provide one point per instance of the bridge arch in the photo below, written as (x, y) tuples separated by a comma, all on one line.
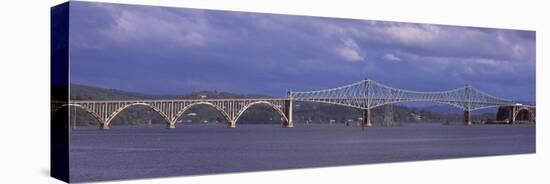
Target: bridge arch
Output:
[(243, 109), (121, 109), (93, 114), (524, 111), (182, 111)]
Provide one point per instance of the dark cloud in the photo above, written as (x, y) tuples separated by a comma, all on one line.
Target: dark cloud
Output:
[(176, 50)]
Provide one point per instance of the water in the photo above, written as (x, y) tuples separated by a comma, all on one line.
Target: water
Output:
[(127, 152)]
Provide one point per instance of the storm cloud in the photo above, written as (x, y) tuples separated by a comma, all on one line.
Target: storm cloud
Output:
[(161, 50)]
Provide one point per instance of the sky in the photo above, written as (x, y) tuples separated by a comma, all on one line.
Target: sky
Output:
[(162, 50)]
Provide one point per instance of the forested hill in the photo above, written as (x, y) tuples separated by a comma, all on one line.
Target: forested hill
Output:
[(83, 92)]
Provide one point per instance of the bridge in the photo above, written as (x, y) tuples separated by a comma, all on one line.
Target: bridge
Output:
[(365, 95)]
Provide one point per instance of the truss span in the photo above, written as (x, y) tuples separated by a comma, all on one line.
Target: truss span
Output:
[(368, 94)]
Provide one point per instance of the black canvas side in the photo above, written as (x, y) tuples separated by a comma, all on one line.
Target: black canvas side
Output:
[(59, 81)]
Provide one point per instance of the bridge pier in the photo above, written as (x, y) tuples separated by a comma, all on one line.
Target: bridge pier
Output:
[(149, 123), (288, 114), (232, 125), (467, 117), (104, 126), (288, 124), (170, 125), (366, 118)]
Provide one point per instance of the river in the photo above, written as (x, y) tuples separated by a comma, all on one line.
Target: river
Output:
[(127, 152)]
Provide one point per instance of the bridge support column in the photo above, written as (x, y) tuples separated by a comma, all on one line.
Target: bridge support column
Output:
[(288, 114), (288, 125), (513, 115), (366, 118), (170, 125), (149, 123), (467, 117), (104, 126), (232, 125)]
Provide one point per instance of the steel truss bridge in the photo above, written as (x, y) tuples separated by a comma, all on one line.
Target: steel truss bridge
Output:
[(365, 95)]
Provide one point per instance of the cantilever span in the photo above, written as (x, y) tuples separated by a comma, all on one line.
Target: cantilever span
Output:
[(369, 94), (365, 94)]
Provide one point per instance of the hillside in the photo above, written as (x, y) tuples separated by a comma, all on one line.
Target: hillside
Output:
[(83, 92)]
